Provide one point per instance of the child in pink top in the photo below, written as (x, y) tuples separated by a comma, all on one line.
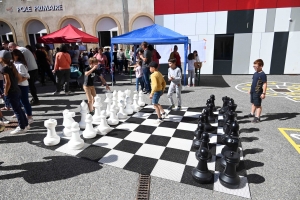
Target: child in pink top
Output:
[(139, 75)]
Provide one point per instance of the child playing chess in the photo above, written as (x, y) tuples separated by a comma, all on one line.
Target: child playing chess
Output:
[(139, 75), (174, 75), (158, 85), (88, 85)]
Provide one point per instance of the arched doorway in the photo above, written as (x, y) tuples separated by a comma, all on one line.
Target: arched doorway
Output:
[(141, 21), (34, 30), (71, 21), (106, 28), (6, 33)]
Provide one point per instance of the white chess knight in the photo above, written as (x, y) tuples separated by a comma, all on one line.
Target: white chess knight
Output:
[(84, 110), (103, 128), (135, 105), (121, 114), (75, 142), (97, 105), (128, 109), (68, 120), (113, 119), (141, 101), (89, 131), (52, 138)]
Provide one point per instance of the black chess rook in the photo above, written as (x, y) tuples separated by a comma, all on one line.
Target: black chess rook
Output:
[(229, 177), (201, 174)]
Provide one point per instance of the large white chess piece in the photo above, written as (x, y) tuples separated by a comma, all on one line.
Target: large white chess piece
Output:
[(121, 96), (135, 105), (108, 102), (108, 95), (97, 105), (75, 142), (68, 120), (115, 94), (113, 120), (84, 110), (89, 131), (52, 138), (128, 109), (115, 104), (141, 101), (103, 128), (121, 114), (128, 94)]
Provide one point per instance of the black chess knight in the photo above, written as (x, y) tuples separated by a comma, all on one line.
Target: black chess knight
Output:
[(201, 174)]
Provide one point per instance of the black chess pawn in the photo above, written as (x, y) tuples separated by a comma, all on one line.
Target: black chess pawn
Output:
[(225, 105), (229, 177), (207, 126), (231, 144), (234, 129), (204, 143), (201, 118), (211, 117), (198, 134), (212, 99), (201, 173)]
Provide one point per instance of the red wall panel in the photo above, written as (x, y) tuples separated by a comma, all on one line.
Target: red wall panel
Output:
[(227, 5), (265, 4), (181, 6), (195, 6), (245, 4), (288, 3), (210, 5), (162, 7)]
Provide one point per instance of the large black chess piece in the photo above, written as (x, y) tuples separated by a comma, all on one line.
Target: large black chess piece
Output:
[(201, 118), (231, 144), (198, 135), (201, 173), (232, 104), (229, 118), (207, 126), (229, 177), (204, 143), (225, 105), (211, 117), (212, 99)]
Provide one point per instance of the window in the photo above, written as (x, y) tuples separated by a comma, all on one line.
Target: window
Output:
[(223, 47)]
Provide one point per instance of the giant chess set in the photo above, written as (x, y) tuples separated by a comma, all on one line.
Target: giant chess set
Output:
[(196, 146)]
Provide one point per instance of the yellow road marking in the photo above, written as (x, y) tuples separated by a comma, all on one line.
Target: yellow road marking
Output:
[(291, 141)]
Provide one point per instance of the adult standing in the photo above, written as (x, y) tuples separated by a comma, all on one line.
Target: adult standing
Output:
[(176, 55), (155, 54), (102, 62), (121, 59), (75, 56), (32, 70), (62, 69), (147, 58)]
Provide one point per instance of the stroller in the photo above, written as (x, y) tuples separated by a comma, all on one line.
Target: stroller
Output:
[(75, 74)]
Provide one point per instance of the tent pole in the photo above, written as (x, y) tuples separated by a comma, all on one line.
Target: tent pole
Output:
[(185, 61), (111, 61)]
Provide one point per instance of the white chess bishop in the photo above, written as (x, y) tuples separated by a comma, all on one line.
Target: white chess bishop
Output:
[(97, 105), (75, 142), (52, 138), (103, 128), (121, 114), (84, 110), (113, 119), (128, 109), (89, 131), (141, 101), (135, 105), (67, 122)]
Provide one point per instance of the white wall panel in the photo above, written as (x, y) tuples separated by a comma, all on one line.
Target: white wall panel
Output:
[(255, 50), (221, 22), (201, 23), (193, 37), (211, 22), (241, 53), (282, 17), (259, 21), (292, 60), (207, 67), (169, 21), (185, 23), (266, 47)]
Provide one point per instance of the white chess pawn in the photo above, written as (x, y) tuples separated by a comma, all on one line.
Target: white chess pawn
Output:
[(68, 120), (128, 109), (141, 101), (84, 110), (52, 138), (108, 107), (114, 105), (108, 96), (113, 120), (89, 131), (97, 105), (75, 142), (121, 96), (103, 128), (121, 114), (135, 105)]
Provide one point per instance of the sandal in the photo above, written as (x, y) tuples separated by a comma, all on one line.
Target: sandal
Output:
[(5, 108)]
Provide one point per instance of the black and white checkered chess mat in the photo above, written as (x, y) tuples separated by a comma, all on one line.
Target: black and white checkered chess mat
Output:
[(164, 150)]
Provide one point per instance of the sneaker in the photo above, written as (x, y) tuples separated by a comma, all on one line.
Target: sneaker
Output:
[(35, 102), (164, 115), (30, 121), (68, 93), (171, 107), (18, 130), (178, 108), (4, 120), (159, 121), (249, 115), (14, 116), (255, 120), (56, 93), (27, 127)]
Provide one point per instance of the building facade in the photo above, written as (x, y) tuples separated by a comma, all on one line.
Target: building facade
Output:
[(237, 32), (24, 21)]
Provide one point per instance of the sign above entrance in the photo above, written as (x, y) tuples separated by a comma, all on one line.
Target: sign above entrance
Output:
[(40, 8)]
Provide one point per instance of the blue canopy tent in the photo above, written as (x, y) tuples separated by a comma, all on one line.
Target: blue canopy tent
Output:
[(154, 34)]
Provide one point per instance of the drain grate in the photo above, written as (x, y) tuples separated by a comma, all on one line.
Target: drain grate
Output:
[(144, 187)]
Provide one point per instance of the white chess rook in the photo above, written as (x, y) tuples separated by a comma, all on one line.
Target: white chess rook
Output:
[(97, 105), (89, 131), (75, 142), (84, 110), (128, 109), (68, 120), (113, 120), (103, 128), (52, 138), (135, 105), (141, 101), (121, 114)]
